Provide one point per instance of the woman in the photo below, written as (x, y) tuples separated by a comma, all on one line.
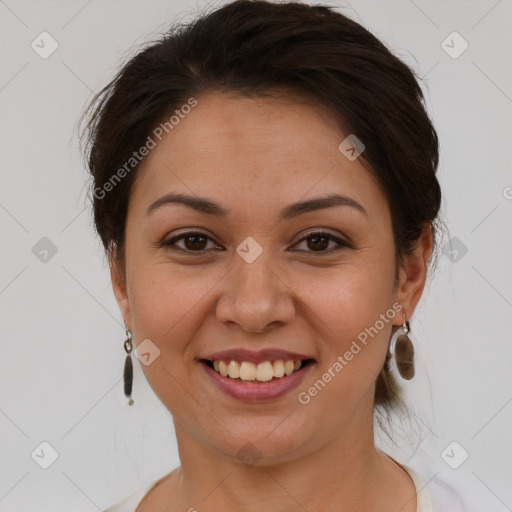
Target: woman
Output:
[(264, 187)]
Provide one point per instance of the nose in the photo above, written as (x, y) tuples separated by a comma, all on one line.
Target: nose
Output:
[(256, 298)]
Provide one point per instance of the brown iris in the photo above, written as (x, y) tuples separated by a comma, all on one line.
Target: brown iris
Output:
[(316, 242), (194, 244)]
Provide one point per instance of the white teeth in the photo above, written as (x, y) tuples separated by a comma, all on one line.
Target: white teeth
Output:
[(247, 371), (288, 367), (261, 372), (278, 368), (223, 368), (264, 371), (234, 369)]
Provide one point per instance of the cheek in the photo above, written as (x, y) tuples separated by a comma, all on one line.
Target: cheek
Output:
[(167, 301), (355, 307)]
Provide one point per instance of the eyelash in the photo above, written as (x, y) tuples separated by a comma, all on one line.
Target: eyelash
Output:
[(170, 244)]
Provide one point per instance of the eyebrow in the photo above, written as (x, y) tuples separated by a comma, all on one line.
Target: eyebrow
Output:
[(205, 205)]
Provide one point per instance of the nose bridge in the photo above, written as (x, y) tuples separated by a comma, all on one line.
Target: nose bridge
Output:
[(255, 296), (256, 275)]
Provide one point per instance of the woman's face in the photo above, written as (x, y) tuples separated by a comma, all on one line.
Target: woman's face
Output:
[(251, 280)]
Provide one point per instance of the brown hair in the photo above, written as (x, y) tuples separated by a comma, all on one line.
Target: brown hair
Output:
[(251, 47)]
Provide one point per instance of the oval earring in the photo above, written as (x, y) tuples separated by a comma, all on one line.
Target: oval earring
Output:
[(128, 368), (401, 351)]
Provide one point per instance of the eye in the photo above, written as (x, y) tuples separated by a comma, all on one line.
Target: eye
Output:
[(194, 242), (320, 241)]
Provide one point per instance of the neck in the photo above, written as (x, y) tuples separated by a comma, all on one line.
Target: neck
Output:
[(345, 473)]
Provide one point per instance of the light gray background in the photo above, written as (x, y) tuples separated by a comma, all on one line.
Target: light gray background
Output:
[(60, 328)]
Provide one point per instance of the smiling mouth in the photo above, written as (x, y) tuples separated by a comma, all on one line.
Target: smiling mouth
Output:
[(245, 371)]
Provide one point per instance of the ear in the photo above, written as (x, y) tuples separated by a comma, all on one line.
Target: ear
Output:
[(414, 274), (119, 287)]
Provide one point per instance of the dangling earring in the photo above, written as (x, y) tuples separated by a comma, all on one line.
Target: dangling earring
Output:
[(401, 351), (128, 368)]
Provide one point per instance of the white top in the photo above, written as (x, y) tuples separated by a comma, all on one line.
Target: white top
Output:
[(434, 496)]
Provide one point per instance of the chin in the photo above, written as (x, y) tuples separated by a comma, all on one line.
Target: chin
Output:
[(263, 442)]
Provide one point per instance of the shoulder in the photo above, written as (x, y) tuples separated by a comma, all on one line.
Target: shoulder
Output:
[(434, 494), (131, 502)]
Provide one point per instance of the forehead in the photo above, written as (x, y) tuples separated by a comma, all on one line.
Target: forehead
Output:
[(265, 128), (254, 151)]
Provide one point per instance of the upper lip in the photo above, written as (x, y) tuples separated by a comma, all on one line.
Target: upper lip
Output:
[(268, 354)]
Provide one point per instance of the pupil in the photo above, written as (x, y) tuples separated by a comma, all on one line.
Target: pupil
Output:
[(194, 244), (316, 238)]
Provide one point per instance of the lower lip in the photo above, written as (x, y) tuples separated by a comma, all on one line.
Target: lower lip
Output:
[(256, 391)]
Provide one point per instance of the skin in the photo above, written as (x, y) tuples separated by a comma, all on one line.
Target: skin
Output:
[(255, 156)]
